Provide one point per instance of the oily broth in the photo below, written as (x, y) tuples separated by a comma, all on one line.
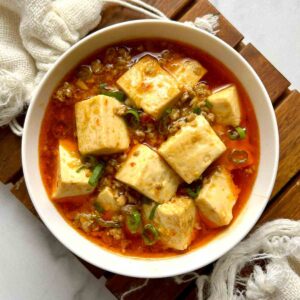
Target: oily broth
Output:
[(59, 122)]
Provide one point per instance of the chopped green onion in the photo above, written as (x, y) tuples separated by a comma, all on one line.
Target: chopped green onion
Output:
[(153, 210), (150, 234), (133, 117), (90, 161), (241, 131), (81, 168), (168, 111), (96, 175), (197, 110), (119, 95), (108, 223), (238, 156), (98, 207), (193, 191), (163, 122), (103, 85), (133, 221), (84, 72), (208, 104), (104, 90), (237, 133)]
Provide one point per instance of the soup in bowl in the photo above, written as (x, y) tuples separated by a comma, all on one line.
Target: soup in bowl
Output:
[(150, 153)]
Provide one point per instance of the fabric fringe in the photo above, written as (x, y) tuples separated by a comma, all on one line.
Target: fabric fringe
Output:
[(13, 96)]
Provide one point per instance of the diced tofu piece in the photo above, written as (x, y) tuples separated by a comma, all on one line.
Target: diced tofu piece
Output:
[(99, 129), (69, 182), (217, 197), (192, 149), (150, 87), (226, 107), (107, 200), (187, 72), (175, 221), (145, 171)]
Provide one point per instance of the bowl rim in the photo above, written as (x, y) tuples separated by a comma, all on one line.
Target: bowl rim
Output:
[(141, 273)]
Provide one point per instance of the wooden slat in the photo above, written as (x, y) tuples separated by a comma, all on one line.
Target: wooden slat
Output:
[(20, 191), (287, 204), (115, 14), (273, 80), (10, 154), (165, 288), (288, 118), (94, 270), (227, 32)]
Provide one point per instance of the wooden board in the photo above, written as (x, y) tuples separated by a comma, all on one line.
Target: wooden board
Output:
[(285, 201)]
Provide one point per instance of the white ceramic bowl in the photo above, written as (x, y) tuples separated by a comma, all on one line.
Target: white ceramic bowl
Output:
[(162, 267)]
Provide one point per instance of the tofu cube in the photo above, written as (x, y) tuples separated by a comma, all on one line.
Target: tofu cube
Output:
[(192, 149), (69, 182), (107, 200), (150, 87), (217, 198), (226, 107), (187, 72), (99, 129), (175, 222), (145, 171)]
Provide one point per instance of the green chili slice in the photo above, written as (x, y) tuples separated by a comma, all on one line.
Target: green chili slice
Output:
[(238, 156), (197, 110), (132, 116), (96, 175), (133, 221), (208, 104), (237, 133), (153, 210), (104, 90), (150, 234)]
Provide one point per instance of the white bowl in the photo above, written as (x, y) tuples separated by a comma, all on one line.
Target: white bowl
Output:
[(161, 267)]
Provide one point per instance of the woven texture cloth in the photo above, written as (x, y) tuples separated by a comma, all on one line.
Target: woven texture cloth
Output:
[(33, 35)]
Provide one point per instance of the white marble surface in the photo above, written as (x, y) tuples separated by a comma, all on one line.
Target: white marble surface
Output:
[(33, 265)]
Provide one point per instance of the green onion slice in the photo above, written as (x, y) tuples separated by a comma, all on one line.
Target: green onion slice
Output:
[(237, 133), (96, 175), (150, 234), (98, 207), (197, 110), (133, 221), (208, 104), (133, 117), (193, 191), (153, 210), (104, 90), (81, 168), (241, 131), (238, 156), (163, 122)]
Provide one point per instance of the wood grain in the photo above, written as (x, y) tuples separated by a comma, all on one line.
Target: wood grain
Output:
[(115, 14), (288, 118), (226, 32), (10, 155), (287, 204), (272, 79)]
